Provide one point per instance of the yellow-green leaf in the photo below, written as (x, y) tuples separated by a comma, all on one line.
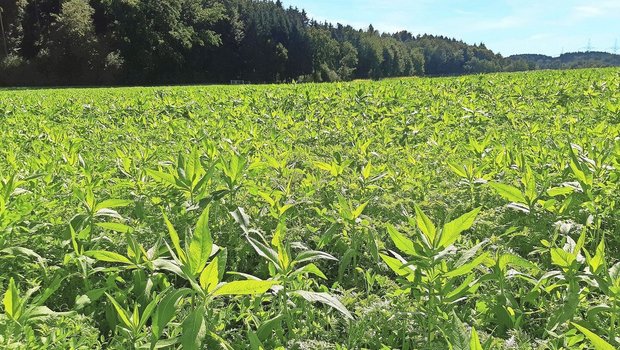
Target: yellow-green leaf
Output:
[(598, 342), (174, 237), (249, 287), (209, 277), (11, 301), (474, 342), (452, 230), (106, 256), (401, 242), (509, 192), (201, 244), (425, 225)]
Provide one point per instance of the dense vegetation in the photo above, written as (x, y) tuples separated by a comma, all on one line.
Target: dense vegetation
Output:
[(478, 212), (95, 42), (591, 59)]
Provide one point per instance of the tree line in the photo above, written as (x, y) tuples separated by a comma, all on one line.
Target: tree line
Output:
[(107, 42)]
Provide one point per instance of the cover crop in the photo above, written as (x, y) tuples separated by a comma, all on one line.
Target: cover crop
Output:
[(476, 212)]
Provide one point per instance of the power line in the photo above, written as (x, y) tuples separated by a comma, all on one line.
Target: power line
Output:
[(589, 47)]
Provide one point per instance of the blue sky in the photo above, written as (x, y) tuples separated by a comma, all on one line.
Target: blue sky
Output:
[(505, 26)]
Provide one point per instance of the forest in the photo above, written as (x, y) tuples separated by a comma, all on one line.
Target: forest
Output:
[(132, 42)]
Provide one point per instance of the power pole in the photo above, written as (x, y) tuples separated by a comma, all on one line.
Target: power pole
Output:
[(615, 47), (589, 47), (6, 48)]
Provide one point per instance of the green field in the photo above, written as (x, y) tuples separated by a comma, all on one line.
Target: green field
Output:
[(476, 212)]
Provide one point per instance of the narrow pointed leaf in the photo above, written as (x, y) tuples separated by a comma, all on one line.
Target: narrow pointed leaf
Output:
[(106, 256), (201, 244), (249, 287), (326, 299), (509, 192), (401, 242), (425, 225), (598, 342)]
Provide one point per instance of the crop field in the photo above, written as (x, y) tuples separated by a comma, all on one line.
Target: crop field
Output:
[(476, 212)]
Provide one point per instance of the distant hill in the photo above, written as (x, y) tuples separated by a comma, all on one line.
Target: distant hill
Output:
[(589, 59)]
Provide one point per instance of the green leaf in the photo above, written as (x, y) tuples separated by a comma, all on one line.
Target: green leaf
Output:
[(106, 256), (514, 260), (599, 258), (560, 191), (309, 269), (458, 170), (11, 301), (359, 210), (113, 226), (174, 237), (474, 343), (467, 268), (266, 329), (148, 311), (311, 255), (194, 329), (598, 342), (426, 226), (401, 242), (162, 177), (323, 166), (121, 312), (509, 192), (326, 299), (249, 287), (398, 267), (165, 312), (367, 170), (265, 251), (455, 333), (562, 258), (112, 203), (209, 277), (201, 244), (452, 230), (284, 258)]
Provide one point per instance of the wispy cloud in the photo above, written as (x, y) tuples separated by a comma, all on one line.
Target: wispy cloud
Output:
[(594, 9)]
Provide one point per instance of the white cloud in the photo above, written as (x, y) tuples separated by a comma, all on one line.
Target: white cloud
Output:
[(594, 9)]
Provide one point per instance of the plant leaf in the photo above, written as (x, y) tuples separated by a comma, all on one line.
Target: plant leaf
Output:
[(106, 256), (165, 312), (598, 342), (325, 298), (209, 277), (401, 242), (452, 230), (467, 268), (249, 287), (112, 203), (509, 192), (194, 329), (121, 312), (113, 226), (474, 343), (11, 301), (201, 244), (174, 237), (425, 225)]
